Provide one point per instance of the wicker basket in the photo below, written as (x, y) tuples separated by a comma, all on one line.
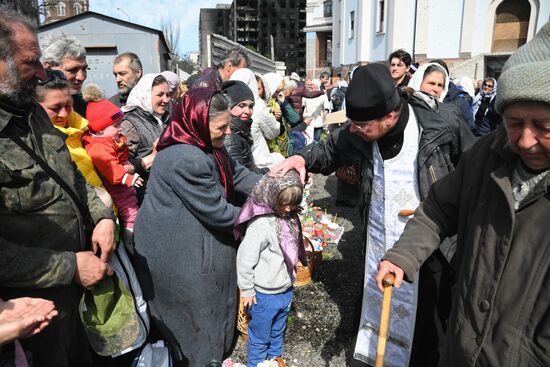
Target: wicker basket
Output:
[(242, 319), (304, 273)]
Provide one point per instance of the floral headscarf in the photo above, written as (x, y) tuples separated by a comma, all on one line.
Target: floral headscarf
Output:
[(263, 200), (189, 125)]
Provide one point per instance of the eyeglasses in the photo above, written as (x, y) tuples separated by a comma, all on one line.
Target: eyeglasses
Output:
[(52, 75), (487, 85), (362, 124)]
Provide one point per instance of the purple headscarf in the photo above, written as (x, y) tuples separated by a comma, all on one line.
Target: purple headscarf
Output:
[(262, 201)]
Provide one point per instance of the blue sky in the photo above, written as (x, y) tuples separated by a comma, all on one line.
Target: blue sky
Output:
[(151, 14)]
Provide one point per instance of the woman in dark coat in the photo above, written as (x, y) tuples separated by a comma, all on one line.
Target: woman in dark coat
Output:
[(146, 116), (239, 143), (183, 231), (486, 117)]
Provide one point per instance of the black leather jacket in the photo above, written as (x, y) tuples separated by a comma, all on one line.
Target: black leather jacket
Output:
[(239, 145)]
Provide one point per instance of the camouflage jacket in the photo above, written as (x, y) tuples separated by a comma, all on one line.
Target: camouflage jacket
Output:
[(40, 226)]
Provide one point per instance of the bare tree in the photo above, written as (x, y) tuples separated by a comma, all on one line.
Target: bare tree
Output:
[(172, 30), (186, 65)]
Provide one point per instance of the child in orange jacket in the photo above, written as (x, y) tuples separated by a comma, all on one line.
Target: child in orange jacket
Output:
[(109, 153)]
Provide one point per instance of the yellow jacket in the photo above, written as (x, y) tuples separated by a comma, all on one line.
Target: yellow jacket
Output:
[(76, 126)]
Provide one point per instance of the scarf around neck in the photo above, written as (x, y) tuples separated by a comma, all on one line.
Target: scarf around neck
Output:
[(241, 128), (263, 201), (481, 96)]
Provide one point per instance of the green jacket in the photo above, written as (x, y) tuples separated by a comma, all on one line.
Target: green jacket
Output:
[(501, 297), (40, 226)]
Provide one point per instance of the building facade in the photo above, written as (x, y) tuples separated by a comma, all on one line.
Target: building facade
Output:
[(318, 37), (273, 28), (475, 37), (213, 20), (244, 23), (54, 10), (282, 24)]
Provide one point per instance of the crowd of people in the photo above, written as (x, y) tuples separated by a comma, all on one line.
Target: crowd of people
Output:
[(201, 179)]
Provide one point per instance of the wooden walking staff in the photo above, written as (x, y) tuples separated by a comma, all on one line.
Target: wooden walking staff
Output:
[(388, 281)]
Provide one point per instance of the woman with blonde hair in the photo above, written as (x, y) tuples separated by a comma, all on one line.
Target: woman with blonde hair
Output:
[(54, 96)]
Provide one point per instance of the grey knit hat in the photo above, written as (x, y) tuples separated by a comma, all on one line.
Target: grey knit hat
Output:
[(526, 76)]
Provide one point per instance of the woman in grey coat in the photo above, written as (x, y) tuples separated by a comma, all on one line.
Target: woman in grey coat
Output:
[(183, 231)]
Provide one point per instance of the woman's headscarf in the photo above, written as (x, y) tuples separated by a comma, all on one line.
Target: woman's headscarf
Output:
[(316, 82), (247, 77), (418, 77), (190, 125), (342, 83), (492, 92), (467, 85), (263, 200), (271, 82), (140, 96), (481, 95)]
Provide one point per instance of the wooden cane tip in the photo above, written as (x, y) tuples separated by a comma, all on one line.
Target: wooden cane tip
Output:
[(388, 280)]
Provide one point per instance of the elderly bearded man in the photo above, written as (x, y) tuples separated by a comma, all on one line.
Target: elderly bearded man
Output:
[(127, 70), (43, 236)]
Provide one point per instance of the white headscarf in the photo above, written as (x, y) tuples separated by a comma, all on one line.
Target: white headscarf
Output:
[(481, 95), (317, 83), (247, 77), (418, 77), (271, 81), (140, 96), (467, 85)]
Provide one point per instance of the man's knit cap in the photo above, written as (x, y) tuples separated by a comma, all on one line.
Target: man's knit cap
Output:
[(526, 75), (371, 93)]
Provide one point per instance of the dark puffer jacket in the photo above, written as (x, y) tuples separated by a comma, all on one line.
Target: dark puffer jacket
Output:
[(462, 101), (141, 130), (239, 144), (296, 98)]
